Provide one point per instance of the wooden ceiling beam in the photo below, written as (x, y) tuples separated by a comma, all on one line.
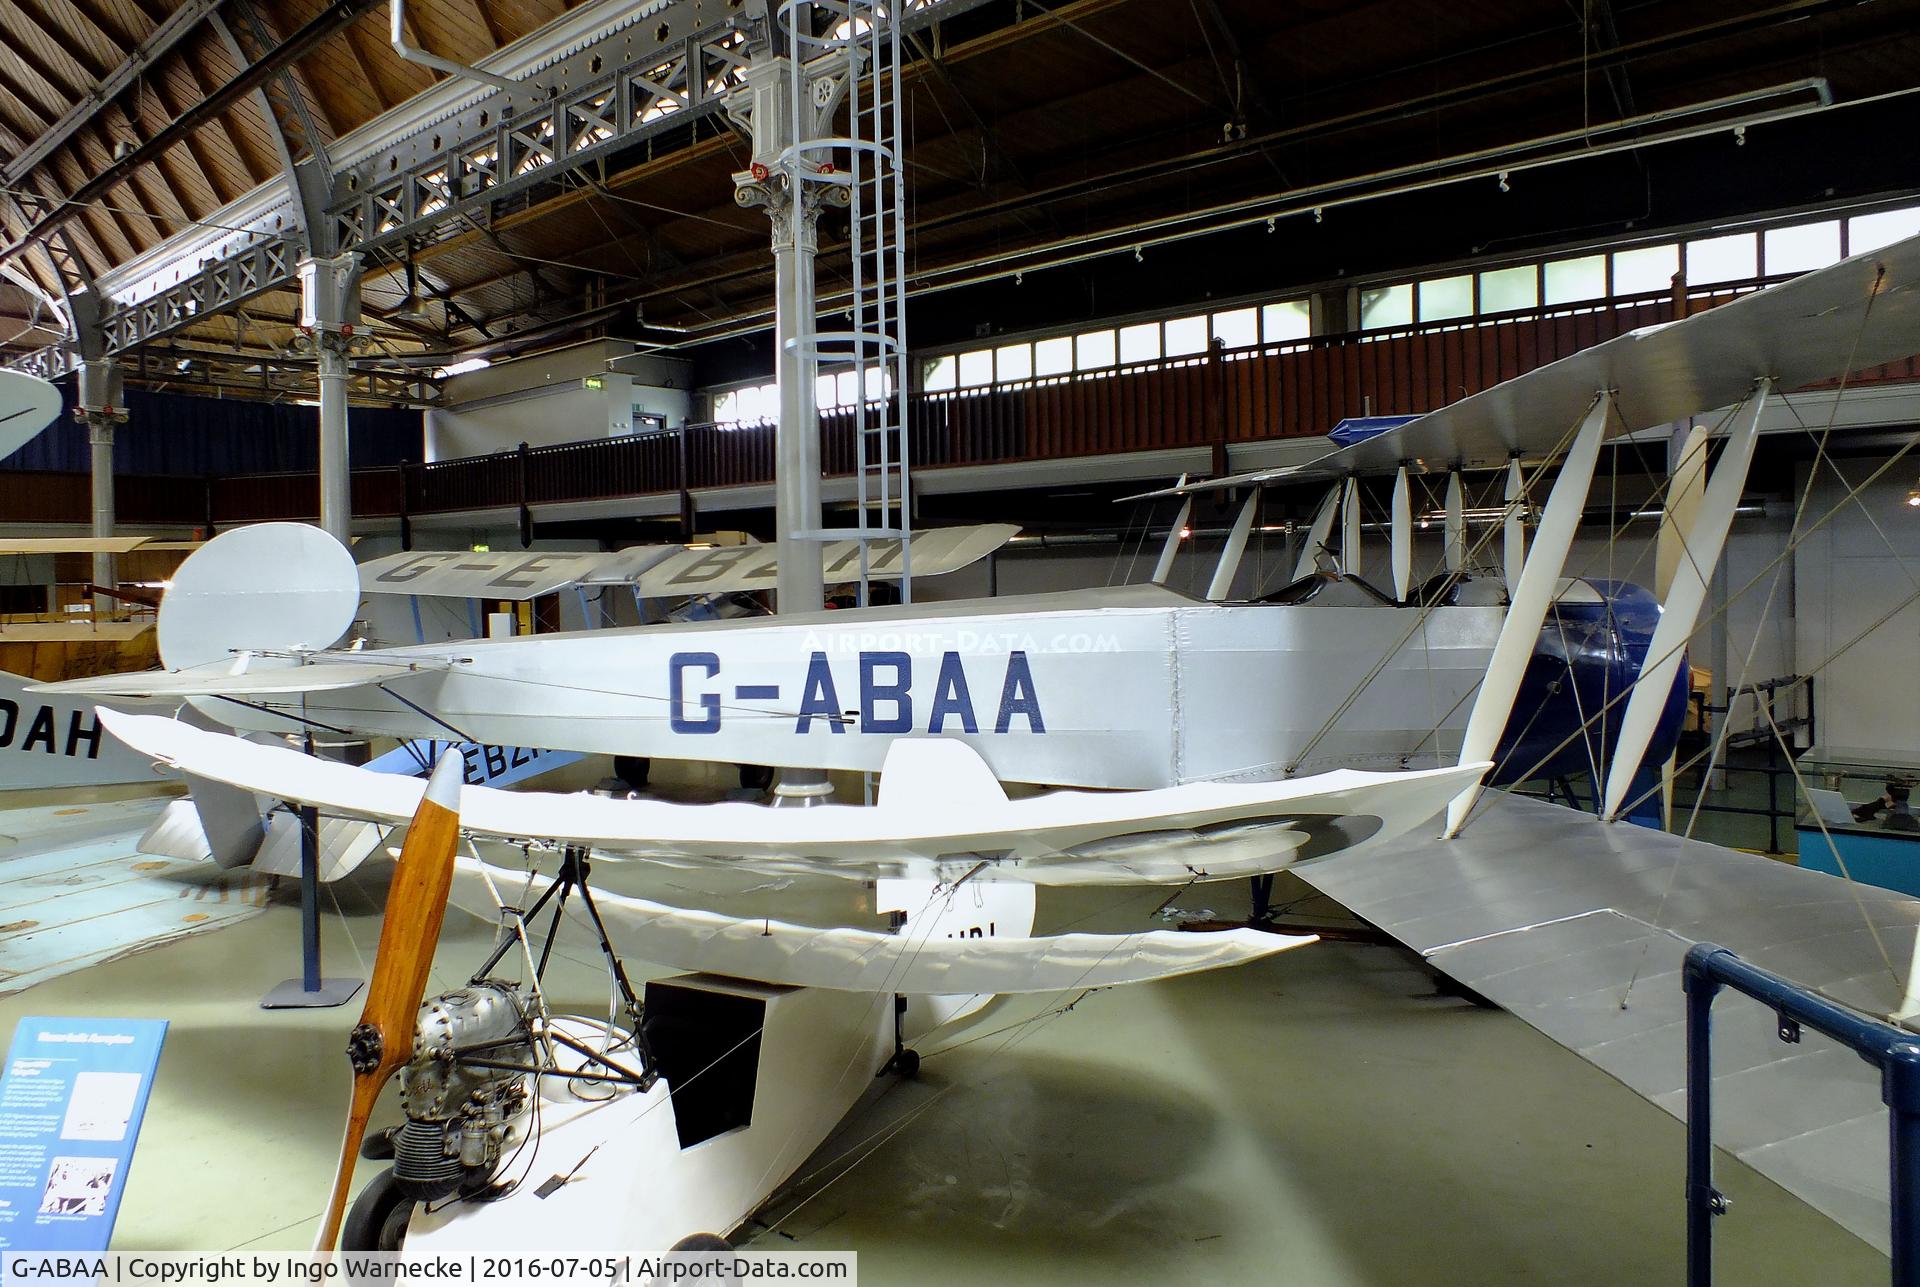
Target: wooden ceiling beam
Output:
[(228, 134)]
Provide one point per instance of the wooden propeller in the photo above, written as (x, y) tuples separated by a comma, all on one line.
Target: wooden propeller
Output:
[(382, 1041)]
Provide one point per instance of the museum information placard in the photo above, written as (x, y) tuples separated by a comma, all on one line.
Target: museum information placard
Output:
[(71, 1099)]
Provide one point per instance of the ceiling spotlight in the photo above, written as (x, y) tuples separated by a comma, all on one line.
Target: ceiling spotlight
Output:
[(1504, 185), (1739, 136), (1319, 215), (1138, 258), (1270, 223), (1913, 496)]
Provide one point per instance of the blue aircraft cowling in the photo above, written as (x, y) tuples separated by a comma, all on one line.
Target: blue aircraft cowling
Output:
[(1588, 655)]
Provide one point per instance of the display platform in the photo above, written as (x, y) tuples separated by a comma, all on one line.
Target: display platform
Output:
[(74, 892)]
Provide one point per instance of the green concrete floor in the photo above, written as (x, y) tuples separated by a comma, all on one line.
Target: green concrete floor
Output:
[(1321, 1117)]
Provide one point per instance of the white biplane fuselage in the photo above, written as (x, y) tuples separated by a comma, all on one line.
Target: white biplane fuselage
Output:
[(1135, 687)]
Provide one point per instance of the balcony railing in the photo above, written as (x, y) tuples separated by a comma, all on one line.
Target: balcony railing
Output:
[(1224, 397)]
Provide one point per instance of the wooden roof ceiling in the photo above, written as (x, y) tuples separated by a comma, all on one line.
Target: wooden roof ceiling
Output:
[(1030, 126)]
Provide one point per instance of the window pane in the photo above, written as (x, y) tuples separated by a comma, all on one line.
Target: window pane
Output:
[(1386, 306), (1014, 362), (1646, 270), (724, 406), (1446, 297), (824, 394), (1732, 258), (1238, 329), (1870, 232), (1092, 350), (1054, 356), (939, 374), (1802, 249), (1140, 343), (846, 389), (976, 368), (1186, 335), (1505, 290), (879, 382), (1291, 320), (1575, 279)]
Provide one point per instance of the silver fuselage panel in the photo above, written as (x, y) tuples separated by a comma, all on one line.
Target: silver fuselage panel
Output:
[(1131, 687)]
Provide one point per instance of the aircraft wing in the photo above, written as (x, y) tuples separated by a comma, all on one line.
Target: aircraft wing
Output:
[(1551, 914), (941, 815), (70, 544), (856, 960), (223, 681), (1862, 312), (662, 571)]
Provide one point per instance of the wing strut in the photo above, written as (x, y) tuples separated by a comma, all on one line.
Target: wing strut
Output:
[(1705, 538), (1402, 536), (1317, 534), (1456, 524), (1236, 547), (1529, 599), (1164, 568), (1350, 529), (1516, 523)]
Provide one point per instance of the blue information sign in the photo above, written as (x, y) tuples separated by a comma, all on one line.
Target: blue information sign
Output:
[(71, 1099)]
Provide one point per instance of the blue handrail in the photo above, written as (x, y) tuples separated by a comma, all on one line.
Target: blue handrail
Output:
[(1894, 1051)]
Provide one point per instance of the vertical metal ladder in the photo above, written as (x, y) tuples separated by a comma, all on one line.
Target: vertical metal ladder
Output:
[(856, 43)]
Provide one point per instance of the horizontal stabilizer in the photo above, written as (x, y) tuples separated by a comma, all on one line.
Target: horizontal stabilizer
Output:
[(1205, 830), (854, 960)]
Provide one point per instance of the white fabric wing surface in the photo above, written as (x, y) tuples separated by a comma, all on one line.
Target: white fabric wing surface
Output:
[(939, 808), (853, 960), (267, 676)]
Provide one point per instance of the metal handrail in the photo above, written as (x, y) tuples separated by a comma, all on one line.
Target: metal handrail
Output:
[(1894, 1051)]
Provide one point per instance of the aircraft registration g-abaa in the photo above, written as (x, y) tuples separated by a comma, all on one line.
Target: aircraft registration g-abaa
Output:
[(1307, 727)]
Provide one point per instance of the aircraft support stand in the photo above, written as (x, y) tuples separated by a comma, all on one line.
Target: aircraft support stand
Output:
[(310, 991)]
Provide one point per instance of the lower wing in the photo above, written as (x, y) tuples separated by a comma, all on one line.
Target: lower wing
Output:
[(1579, 927)]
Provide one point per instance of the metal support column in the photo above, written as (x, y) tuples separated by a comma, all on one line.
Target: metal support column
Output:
[(770, 112), (329, 304), (101, 409)]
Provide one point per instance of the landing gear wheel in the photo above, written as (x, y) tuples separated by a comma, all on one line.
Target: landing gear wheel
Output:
[(377, 1220), (702, 1242), (906, 1064)]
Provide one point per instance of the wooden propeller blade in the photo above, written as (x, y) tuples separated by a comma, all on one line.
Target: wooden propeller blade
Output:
[(382, 1042)]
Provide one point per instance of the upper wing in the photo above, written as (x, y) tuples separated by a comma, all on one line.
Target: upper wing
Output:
[(223, 680), (1579, 927), (70, 544), (866, 961), (935, 818), (1862, 312), (663, 571)]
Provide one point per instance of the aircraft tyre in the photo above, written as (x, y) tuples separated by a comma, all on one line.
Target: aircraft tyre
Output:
[(377, 1220)]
